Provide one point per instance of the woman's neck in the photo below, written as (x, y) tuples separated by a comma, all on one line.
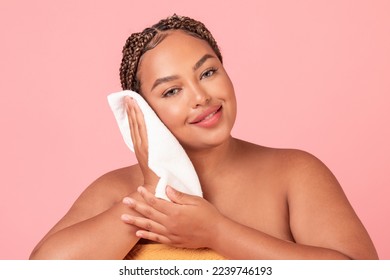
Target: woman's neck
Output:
[(209, 162)]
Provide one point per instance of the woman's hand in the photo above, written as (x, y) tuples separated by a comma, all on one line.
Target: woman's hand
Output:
[(188, 221), (140, 141)]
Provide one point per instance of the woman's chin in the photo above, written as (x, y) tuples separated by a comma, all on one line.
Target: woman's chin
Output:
[(206, 143)]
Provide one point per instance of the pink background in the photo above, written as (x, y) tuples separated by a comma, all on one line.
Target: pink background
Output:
[(313, 75)]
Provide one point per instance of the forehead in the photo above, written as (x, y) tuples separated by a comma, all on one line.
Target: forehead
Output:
[(176, 52)]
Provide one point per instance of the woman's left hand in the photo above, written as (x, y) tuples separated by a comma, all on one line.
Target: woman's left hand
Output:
[(188, 221)]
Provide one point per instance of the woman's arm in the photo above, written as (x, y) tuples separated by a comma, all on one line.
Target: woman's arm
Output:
[(322, 222), (92, 228)]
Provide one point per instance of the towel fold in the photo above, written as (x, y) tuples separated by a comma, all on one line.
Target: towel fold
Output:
[(156, 251), (166, 157)]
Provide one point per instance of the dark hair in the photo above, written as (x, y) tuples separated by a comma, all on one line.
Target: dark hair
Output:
[(139, 43)]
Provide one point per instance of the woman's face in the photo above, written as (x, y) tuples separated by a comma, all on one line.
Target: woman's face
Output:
[(186, 85)]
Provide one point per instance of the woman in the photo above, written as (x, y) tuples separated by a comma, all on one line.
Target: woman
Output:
[(259, 202)]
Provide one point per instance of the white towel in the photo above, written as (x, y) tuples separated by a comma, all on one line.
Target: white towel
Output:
[(166, 157)]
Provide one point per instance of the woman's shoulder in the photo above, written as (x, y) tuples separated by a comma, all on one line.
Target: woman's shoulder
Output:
[(288, 157), (117, 183), (301, 170), (110, 188), (107, 190), (294, 159), (102, 194), (291, 164)]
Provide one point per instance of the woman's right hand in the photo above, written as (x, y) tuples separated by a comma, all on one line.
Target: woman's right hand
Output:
[(140, 142)]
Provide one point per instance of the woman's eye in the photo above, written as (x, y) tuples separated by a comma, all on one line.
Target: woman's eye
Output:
[(171, 92), (208, 73)]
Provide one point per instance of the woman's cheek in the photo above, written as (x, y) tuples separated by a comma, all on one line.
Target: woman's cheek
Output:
[(171, 116)]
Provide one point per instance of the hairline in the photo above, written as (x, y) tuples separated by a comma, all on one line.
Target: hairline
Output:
[(157, 39)]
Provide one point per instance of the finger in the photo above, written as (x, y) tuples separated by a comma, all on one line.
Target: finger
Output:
[(135, 123), (132, 120), (180, 197), (164, 207), (152, 236), (138, 123), (141, 124), (144, 209), (141, 149), (143, 223)]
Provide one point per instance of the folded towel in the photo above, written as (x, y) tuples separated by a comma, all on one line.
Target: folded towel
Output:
[(166, 157), (156, 251)]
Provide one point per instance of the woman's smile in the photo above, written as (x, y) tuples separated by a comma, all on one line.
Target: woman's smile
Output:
[(209, 117)]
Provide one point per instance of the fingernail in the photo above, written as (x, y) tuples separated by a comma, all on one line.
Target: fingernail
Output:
[(126, 218), (140, 189), (169, 189), (128, 201)]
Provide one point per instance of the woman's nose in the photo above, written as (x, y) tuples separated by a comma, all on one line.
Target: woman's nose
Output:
[(200, 97)]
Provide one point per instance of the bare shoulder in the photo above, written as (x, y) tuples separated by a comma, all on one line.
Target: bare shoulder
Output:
[(291, 172), (299, 165), (303, 170), (290, 165), (293, 165), (111, 187), (102, 194), (320, 213)]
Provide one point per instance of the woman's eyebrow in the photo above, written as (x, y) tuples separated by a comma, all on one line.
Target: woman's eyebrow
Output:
[(164, 80), (197, 65), (201, 61)]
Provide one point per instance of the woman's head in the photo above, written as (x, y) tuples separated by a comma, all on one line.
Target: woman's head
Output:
[(177, 67), (139, 43)]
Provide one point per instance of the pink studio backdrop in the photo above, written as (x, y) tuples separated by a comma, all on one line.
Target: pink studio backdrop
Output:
[(313, 75)]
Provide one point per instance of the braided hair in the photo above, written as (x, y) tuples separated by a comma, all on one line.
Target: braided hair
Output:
[(139, 43)]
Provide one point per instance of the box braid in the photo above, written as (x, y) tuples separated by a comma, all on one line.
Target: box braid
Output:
[(139, 43)]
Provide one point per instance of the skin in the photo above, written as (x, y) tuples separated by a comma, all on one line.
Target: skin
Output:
[(274, 203)]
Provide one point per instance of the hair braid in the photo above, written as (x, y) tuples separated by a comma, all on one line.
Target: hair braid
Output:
[(139, 43)]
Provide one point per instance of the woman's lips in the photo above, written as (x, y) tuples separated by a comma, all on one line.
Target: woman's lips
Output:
[(209, 117)]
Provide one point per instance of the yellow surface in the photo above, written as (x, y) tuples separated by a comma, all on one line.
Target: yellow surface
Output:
[(157, 251)]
